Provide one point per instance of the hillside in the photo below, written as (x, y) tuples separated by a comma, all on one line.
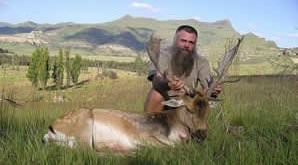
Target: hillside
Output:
[(126, 36)]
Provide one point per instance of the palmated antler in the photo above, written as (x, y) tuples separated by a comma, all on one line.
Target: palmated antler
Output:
[(224, 65), (153, 50)]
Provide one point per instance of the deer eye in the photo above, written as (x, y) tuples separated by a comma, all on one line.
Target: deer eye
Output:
[(52, 129)]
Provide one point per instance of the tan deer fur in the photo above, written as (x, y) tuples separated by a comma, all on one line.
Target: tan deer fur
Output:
[(124, 131)]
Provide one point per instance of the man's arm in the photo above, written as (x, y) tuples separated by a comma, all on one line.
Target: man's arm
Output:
[(159, 83)]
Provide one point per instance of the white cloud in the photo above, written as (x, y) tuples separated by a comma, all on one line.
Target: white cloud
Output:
[(197, 18), (293, 35), (144, 6)]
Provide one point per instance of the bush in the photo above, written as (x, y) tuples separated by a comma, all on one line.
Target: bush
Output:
[(109, 73)]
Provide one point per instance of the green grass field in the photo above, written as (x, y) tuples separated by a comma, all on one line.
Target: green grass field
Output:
[(257, 123)]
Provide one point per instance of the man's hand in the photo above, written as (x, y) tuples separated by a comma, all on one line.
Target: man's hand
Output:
[(216, 91), (176, 84)]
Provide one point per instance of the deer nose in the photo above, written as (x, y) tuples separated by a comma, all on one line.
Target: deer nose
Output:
[(199, 136)]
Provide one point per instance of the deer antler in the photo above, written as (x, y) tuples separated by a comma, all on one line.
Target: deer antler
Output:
[(224, 65), (153, 50)]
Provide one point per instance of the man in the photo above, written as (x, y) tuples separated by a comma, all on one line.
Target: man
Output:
[(183, 61)]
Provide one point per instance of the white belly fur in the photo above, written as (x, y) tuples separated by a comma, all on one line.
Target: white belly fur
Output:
[(107, 136)]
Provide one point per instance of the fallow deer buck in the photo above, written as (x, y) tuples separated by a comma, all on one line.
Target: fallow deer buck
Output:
[(125, 131)]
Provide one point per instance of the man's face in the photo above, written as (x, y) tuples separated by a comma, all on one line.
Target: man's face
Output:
[(186, 41), (182, 61)]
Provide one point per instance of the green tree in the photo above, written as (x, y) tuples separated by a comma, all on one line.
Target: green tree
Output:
[(38, 71), (140, 66), (76, 68), (54, 70), (32, 73), (43, 67), (67, 66), (58, 70)]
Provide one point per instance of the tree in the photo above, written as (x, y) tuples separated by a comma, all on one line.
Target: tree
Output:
[(54, 71), (32, 73), (76, 68), (67, 66), (44, 67), (58, 70), (139, 65), (38, 71)]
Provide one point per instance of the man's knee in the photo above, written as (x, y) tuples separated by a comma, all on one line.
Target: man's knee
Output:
[(156, 96), (153, 102)]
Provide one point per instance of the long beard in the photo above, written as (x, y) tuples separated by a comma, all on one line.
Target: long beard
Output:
[(182, 62)]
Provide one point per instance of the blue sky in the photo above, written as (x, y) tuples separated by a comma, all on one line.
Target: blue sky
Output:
[(274, 20)]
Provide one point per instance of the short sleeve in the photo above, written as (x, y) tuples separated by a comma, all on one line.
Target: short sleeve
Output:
[(204, 74)]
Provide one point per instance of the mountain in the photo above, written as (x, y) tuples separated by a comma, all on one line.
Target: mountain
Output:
[(128, 35), (28, 24), (3, 24)]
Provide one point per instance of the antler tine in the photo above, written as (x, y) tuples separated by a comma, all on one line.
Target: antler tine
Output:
[(229, 81), (227, 59)]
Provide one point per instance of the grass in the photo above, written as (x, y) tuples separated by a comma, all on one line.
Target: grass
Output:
[(257, 123)]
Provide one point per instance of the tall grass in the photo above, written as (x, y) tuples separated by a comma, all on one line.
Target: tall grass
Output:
[(257, 123)]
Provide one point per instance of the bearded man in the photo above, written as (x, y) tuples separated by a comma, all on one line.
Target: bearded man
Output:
[(182, 60)]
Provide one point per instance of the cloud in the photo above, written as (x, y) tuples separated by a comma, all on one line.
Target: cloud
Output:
[(293, 35), (197, 18), (144, 6), (259, 34)]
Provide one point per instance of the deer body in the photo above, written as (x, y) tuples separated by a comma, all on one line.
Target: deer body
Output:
[(124, 131)]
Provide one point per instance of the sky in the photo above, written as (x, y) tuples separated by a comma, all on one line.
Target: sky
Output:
[(275, 20)]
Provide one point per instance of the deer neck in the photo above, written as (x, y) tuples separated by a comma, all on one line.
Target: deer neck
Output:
[(180, 124)]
